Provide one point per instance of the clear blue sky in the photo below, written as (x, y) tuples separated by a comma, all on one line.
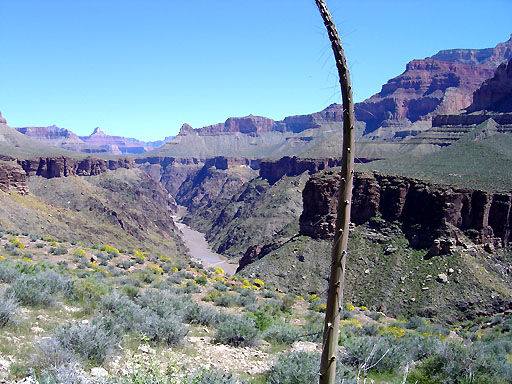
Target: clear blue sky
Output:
[(142, 68)]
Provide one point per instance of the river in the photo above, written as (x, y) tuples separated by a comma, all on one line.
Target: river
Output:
[(199, 248)]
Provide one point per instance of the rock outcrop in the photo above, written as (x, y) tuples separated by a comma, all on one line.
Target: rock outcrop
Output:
[(65, 166), (2, 120), (495, 94), (428, 210), (13, 177), (272, 171)]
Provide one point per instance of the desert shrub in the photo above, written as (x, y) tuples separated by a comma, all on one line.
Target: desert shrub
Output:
[(39, 289), (164, 303), (375, 315), (269, 294), (120, 313), (415, 322), (131, 291), (8, 309), (201, 280), (303, 367), (169, 329), (220, 286), (287, 303), (391, 353), (211, 295), (190, 287), (282, 333), (202, 314), (52, 353), (57, 251), (88, 291), (264, 315), (246, 298), (71, 373), (213, 377), (92, 341), (39, 245), (238, 331), (225, 300), (125, 264), (370, 329), (8, 272)]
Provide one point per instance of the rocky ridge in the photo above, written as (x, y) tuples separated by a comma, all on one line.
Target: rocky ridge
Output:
[(12, 176), (429, 211)]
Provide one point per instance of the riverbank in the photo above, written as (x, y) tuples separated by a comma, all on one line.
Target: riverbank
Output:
[(199, 248)]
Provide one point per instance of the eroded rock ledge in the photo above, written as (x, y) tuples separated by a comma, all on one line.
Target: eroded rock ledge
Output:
[(430, 210)]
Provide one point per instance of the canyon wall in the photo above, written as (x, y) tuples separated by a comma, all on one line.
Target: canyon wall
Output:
[(65, 166), (12, 176), (431, 210)]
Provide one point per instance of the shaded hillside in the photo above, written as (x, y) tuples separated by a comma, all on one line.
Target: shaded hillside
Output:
[(124, 207)]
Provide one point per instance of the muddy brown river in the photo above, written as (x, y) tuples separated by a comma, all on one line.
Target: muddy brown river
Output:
[(199, 248)]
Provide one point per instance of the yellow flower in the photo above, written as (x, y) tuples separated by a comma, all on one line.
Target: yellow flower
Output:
[(392, 331), (218, 270), (258, 283), (349, 306)]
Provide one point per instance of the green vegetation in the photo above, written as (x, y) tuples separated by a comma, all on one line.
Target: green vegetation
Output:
[(71, 317)]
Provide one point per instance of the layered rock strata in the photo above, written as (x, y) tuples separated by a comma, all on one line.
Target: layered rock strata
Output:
[(431, 210)]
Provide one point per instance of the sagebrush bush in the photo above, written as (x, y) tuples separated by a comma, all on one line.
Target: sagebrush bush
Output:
[(53, 354), (238, 331), (225, 300), (169, 329), (39, 289), (8, 309), (303, 367), (8, 272), (202, 314), (88, 291), (163, 302), (282, 333), (91, 341)]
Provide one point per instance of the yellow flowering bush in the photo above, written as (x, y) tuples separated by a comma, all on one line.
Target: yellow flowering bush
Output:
[(156, 269), (79, 253), (218, 270), (393, 331), (349, 306), (258, 283)]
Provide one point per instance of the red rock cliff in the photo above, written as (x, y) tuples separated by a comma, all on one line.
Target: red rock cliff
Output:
[(434, 209)]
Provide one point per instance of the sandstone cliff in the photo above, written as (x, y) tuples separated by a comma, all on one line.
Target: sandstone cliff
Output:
[(428, 210), (495, 94), (13, 177), (65, 166)]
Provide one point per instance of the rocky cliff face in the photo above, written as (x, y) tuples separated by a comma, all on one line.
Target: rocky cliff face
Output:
[(64, 166), (431, 211), (495, 94), (272, 171), (13, 177), (2, 120), (441, 84)]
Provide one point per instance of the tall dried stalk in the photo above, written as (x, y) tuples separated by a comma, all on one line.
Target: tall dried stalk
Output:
[(339, 248)]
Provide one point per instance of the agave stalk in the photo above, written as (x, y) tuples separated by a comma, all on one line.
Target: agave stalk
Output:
[(339, 248)]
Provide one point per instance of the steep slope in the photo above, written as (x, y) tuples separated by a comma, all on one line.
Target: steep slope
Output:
[(123, 207), (413, 248)]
